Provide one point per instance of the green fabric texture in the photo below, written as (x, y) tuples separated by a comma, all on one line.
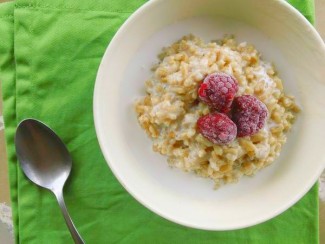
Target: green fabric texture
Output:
[(49, 55), (306, 7)]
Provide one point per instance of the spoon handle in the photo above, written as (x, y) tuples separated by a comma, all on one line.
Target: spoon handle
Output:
[(74, 233)]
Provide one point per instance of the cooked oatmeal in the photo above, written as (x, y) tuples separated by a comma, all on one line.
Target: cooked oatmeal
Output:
[(170, 110)]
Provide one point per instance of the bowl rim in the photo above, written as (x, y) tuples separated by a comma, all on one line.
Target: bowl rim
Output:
[(118, 35)]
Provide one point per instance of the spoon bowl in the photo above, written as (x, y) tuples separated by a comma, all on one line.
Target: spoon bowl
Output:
[(43, 156), (46, 161)]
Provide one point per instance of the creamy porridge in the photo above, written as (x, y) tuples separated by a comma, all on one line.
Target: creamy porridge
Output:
[(174, 107)]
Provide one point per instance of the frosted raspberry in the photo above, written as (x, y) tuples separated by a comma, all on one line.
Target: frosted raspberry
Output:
[(249, 114), (218, 91), (217, 128)]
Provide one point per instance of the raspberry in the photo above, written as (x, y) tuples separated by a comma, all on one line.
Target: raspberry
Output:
[(218, 91), (217, 128), (249, 114)]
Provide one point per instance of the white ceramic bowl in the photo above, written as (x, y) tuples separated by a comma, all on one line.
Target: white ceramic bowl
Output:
[(283, 36)]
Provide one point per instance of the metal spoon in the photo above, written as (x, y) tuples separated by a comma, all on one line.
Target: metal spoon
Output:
[(45, 161)]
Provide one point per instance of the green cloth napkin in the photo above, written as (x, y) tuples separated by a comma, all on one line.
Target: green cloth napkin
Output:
[(49, 55)]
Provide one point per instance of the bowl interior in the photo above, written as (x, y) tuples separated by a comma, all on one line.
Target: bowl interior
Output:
[(284, 38)]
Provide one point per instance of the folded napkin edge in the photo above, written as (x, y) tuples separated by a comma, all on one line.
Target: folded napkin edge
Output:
[(70, 8)]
